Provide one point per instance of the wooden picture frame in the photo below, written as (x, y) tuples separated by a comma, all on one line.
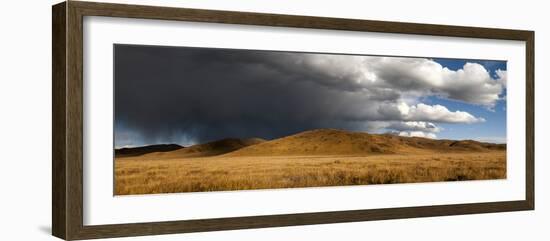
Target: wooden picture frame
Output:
[(67, 152)]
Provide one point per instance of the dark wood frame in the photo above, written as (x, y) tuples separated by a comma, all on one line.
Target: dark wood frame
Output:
[(67, 169)]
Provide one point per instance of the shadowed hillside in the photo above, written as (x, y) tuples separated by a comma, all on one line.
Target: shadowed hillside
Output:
[(137, 151), (208, 149)]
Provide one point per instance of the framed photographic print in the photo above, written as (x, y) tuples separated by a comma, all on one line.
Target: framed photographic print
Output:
[(171, 120)]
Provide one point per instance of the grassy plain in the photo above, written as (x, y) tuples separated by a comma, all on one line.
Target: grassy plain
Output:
[(143, 175)]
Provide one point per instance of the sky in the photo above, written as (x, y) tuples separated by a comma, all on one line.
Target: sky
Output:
[(187, 96)]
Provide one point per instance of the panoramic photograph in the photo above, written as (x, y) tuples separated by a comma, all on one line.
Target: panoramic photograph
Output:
[(190, 119)]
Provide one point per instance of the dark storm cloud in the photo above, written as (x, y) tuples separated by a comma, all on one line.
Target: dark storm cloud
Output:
[(209, 94), (164, 93)]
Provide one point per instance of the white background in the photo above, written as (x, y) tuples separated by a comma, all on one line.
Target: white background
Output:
[(25, 123)]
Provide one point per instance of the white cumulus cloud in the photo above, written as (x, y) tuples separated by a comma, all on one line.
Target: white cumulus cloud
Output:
[(423, 112), (413, 126), (411, 76), (417, 134)]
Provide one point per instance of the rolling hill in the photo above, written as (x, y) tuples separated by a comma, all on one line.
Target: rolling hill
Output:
[(313, 142), (340, 142)]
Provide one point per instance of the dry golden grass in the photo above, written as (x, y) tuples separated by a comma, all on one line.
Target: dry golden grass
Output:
[(224, 173)]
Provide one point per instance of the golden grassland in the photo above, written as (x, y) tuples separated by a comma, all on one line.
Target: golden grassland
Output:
[(225, 173)]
